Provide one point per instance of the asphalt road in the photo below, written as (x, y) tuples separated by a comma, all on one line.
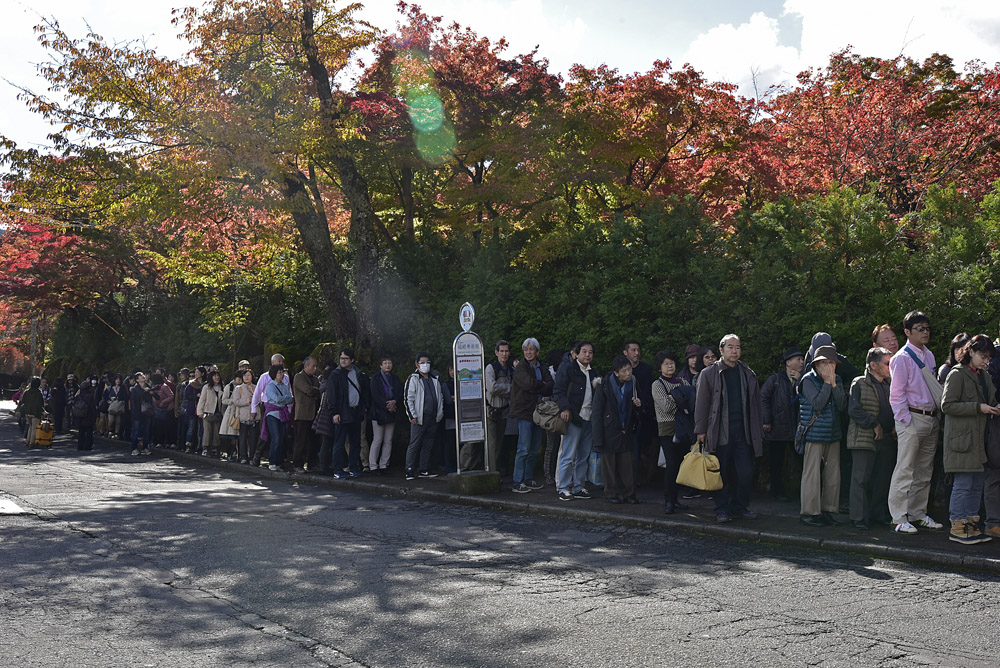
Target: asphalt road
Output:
[(126, 561)]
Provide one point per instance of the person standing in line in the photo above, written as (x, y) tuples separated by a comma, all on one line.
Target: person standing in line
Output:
[(348, 391), (498, 376), (780, 407), (242, 397), (387, 402), (85, 419), (615, 417), (728, 422), (306, 391), (690, 370), (229, 429), (573, 390), (645, 419), (915, 397), (531, 382), (665, 407), (969, 400), (258, 396), (210, 411), (821, 401), (871, 438), (276, 406), (142, 414), (425, 410), (884, 337)]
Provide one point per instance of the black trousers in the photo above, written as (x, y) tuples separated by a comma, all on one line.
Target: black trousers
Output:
[(619, 474)]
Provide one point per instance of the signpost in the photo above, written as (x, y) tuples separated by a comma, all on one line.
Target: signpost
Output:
[(470, 392)]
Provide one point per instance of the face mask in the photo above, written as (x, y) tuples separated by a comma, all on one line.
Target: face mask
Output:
[(425, 368)]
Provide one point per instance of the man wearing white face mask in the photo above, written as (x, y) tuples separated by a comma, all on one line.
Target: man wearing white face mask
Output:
[(425, 409)]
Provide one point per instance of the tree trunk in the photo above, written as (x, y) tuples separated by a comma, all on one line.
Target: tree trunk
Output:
[(315, 233)]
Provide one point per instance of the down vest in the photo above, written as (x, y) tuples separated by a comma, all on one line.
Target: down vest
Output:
[(815, 395)]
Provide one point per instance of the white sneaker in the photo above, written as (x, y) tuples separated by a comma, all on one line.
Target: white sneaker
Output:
[(274, 467), (928, 523), (905, 527), (135, 452)]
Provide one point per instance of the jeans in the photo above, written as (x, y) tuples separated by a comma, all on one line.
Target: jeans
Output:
[(966, 495), (736, 465), (140, 430), (276, 438), (529, 439), (571, 471), (341, 433)]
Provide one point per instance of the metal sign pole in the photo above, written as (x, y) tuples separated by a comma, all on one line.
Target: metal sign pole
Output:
[(470, 396)]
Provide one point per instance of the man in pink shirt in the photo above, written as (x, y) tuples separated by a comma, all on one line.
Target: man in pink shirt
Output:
[(915, 397)]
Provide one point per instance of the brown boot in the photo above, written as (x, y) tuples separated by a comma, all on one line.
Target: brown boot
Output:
[(972, 528), (960, 532), (993, 531)]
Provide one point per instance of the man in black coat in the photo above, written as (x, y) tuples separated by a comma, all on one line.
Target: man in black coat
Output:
[(349, 395), (642, 375), (780, 408)]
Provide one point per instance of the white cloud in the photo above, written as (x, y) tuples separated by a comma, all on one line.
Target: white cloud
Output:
[(963, 29), (744, 53)]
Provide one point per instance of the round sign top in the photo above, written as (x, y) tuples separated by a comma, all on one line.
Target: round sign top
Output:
[(466, 316)]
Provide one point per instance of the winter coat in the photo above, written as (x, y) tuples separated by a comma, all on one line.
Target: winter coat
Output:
[(163, 397), (965, 426), (191, 396), (228, 397), (414, 390), (380, 413), (569, 388), (338, 395), (708, 413), (32, 403), (830, 402), (305, 389), (779, 407), (241, 398), (87, 393), (210, 401), (526, 389), (608, 434)]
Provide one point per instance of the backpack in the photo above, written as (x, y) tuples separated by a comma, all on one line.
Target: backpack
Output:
[(81, 405)]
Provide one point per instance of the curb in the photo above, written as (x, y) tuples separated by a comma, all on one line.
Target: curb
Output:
[(921, 557)]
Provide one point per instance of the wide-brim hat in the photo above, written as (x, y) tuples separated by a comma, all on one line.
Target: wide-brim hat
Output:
[(825, 353)]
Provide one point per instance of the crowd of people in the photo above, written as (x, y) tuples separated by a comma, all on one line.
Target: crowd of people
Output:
[(867, 440)]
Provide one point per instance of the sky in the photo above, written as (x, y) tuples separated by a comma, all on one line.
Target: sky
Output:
[(750, 43)]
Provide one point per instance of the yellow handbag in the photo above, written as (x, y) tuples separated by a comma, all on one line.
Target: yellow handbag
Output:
[(700, 470)]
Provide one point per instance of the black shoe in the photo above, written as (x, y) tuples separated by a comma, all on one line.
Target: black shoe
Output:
[(746, 515), (614, 499), (860, 524), (670, 508), (813, 520), (831, 520)]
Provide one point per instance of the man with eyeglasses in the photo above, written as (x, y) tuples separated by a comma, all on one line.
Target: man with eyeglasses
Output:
[(915, 397)]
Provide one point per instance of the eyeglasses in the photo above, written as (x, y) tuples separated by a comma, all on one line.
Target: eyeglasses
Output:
[(920, 329)]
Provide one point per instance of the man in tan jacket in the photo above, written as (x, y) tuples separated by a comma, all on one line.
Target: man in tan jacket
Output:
[(305, 390)]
